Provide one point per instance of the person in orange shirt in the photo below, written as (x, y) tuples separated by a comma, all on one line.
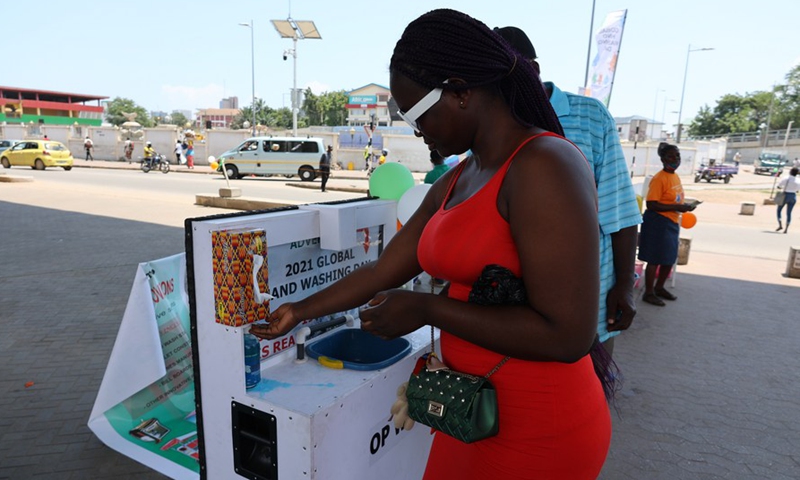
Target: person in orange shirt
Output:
[(658, 242)]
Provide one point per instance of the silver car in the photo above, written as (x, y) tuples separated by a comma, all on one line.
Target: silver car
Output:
[(4, 144)]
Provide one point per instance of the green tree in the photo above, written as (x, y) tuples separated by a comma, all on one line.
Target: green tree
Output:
[(312, 108), (777, 107), (119, 105), (282, 118), (327, 108), (738, 114), (705, 123), (177, 118), (264, 115)]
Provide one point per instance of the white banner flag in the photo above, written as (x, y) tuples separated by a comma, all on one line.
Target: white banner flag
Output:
[(608, 39)]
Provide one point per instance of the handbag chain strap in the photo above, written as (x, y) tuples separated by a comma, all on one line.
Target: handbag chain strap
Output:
[(473, 377)]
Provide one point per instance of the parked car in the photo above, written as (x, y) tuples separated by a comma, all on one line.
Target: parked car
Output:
[(770, 163), (37, 154), (6, 144)]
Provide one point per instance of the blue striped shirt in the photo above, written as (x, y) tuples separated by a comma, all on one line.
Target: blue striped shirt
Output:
[(588, 124)]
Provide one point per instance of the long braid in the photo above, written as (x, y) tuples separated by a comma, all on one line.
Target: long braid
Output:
[(445, 43)]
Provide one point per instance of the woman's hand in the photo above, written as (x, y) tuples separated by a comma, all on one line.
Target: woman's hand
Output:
[(392, 313), (281, 322)]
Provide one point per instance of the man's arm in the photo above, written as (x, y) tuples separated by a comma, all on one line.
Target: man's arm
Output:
[(614, 186), (621, 307)]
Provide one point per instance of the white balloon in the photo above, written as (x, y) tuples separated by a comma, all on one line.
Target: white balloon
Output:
[(410, 201), (212, 159)]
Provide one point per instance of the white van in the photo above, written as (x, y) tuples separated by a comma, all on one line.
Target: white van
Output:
[(266, 156)]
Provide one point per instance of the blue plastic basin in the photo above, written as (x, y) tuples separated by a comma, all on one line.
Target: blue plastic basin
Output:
[(357, 350)]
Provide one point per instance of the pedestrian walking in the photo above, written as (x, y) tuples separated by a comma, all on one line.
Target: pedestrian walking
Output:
[(787, 196), (325, 166), (179, 152), (189, 153), (88, 145), (129, 150)]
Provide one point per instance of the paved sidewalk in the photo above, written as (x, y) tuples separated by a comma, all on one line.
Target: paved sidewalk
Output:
[(708, 392)]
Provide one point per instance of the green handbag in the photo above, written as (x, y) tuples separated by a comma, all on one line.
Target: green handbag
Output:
[(461, 405)]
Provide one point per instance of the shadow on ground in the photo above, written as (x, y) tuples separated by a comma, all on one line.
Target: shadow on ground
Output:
[(709, 388)]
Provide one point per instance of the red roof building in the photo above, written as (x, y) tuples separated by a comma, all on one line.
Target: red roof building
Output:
[(25, 105)]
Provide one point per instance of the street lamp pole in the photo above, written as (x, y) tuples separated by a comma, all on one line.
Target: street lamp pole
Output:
[(253, 71), (296, 30), (295, 107), (683, 90)]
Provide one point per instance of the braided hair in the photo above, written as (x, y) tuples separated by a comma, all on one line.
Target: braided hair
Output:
[(444, 43)]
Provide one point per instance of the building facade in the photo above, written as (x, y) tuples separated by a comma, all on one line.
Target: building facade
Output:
[(24, 105), (648, 129), (230, 102), (369, 104), (216, 117)]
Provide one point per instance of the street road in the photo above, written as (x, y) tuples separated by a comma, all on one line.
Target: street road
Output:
[(169, 199), (153, 197)]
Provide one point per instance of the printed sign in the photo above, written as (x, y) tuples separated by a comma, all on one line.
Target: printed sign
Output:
[(362, 99), (299, 269), (145, 406)]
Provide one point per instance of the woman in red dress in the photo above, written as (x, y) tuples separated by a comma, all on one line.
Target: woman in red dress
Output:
[(525, 200)]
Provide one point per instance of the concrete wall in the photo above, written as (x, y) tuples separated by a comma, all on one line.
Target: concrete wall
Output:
[(750, 150), (646, 161), (403, 148), (109, 142)]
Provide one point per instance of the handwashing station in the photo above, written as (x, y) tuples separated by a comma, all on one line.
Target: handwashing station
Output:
[(315, 403)]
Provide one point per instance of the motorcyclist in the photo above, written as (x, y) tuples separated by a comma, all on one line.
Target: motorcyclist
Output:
[(149, 152)]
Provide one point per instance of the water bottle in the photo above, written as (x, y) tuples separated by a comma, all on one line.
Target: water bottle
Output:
[(252, 360)]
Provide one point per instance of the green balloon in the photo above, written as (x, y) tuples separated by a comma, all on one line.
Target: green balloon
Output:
[(390, 181)]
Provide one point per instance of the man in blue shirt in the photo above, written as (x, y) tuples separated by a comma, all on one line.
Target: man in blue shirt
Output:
[(589, 125)]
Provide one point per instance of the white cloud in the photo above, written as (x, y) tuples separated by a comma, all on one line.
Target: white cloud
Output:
[(181, 97)]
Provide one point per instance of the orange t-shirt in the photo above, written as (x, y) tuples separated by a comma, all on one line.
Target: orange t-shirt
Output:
[(666, 188)]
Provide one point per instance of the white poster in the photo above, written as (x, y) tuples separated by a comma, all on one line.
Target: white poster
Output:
[(604, 65), (145, 406)]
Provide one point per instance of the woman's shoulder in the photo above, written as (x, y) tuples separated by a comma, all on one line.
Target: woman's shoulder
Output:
[(552, 146), (549, 162)]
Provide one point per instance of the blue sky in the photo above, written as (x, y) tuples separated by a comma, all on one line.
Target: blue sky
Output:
[(168, 55)]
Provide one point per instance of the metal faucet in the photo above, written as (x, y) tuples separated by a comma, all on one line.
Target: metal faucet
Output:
[(310, 332)]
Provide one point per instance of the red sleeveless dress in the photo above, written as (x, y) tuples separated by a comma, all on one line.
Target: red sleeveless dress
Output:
[(554, 419)]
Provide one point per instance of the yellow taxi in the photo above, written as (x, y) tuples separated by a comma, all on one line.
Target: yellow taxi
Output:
[(37, 154)]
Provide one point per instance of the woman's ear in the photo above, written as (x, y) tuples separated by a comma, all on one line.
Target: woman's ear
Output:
[(461, 95)]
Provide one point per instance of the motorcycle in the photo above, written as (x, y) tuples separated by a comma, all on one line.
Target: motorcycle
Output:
[(158, 161)]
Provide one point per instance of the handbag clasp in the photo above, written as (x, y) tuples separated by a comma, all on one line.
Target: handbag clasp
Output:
[(435, 408)]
